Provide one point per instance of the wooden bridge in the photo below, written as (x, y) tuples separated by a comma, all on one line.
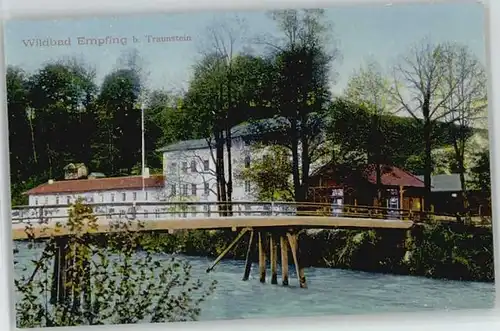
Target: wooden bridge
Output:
[(267, 223)]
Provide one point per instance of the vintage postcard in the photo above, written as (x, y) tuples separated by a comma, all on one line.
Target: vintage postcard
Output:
[(249, 164)]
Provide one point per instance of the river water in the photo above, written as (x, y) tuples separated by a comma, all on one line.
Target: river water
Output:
[(330, 291)]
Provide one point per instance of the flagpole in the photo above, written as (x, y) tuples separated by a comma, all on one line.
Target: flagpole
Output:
[(143, 147)]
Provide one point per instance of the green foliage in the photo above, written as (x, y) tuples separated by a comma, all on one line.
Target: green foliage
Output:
[(481, 175), (350, 130), (447, 251), (271, 174), (59, 115), (196, 243), (437, 251), (114, 280)]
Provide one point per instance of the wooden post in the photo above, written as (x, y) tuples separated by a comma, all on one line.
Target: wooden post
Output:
[(273, 252), (401, 200), (292, 239), (401, 193), (284, 260), (248, 260), (262, 259)]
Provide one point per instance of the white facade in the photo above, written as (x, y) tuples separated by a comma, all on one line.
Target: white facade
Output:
[(190, 174), (98, 197), (108, 204)]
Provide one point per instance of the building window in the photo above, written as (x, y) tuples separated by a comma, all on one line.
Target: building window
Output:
[(146, 196), (173, 167), (248, 210), (157, 213), (206, 189), (193, 189), (36, 202), (102, 197), (124, 196), (46, 200), (206, 209), (193, 166), (247, 186), (172, 190), (111, 212), (122, 213), (193, 211), (247, 161), (112, 197), (184, 190), (68, 200), (134, 196), (145, 214), (57, 200), (184, 167), (206, 165)]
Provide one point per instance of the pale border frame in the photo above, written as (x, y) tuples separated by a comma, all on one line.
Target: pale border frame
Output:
[(464, 320)]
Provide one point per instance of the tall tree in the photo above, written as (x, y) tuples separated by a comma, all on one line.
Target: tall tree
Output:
[(205, 103), (465, 82), (418, 80), (20, 133), (302, 66), (224, 39), (370, 89), (118, 145), (61, 97)]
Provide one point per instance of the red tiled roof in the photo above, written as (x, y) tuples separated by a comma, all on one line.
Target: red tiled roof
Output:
[(98, 184), (392, 176)]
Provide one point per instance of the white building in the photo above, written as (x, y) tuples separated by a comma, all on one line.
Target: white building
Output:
[(187, 188), (112, 197), (189, 171)]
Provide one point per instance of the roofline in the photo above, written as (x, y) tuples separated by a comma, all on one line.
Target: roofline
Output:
[(236, 135), (167, 149), (93, 179)]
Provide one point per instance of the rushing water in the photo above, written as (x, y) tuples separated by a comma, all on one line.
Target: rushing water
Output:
[(330, 291)]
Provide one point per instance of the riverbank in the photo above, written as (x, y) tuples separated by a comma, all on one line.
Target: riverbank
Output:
[(446, 251)]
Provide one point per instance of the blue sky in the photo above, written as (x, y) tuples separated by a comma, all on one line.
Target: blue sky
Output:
[(369, 31)]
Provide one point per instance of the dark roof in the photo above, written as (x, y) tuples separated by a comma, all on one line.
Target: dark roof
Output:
[(239, 131), (391, 175), (445, 183), (98, 184)]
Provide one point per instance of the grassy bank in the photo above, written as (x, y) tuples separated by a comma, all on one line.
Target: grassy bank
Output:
[(439, 251)]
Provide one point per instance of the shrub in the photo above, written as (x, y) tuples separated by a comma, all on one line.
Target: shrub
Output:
[(115, 283)]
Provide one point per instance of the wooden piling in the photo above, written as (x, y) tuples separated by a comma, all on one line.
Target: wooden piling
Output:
[(284, 260), (292, 239), (262, 259), (273, 252), (248, 259)]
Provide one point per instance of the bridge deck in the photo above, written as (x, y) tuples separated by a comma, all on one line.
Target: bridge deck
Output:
[(50, 229)]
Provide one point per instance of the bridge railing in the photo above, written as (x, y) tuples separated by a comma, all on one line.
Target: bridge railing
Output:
[(189, 210)]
